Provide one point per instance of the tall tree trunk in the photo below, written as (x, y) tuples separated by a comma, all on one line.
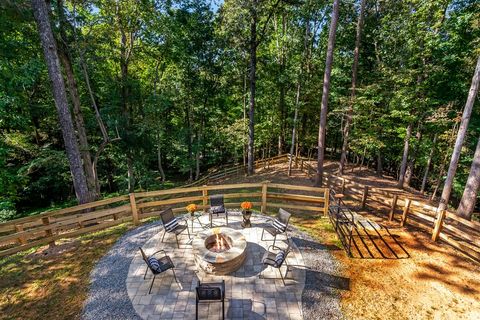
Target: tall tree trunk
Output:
[(444, 162), (159, 159), (363, 158), (159, 136), (66, 60), (58, 87), (346, 130), (326, 87), (126, 47), (403, 166), (469, 198), (379, 163), (79, 124), (297, 102), (411, 163), (253, 70), (245, 93), (130, 174), (429, 163), (189, 143), (452, 169)]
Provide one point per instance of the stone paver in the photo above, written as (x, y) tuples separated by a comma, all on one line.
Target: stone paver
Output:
[(248, 296)]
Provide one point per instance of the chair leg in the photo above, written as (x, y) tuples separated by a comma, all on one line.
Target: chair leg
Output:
[(223, 309), (286, 265), (226, 217), (263, 230), (175, 276), (151, 285), (196, 310), (145, 274), (164, 233), (188, 232), (274, 239), (211, 218), (281, 275), (176, 238)]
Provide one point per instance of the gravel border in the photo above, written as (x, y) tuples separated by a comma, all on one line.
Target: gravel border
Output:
[(323, 280), (108, 297)]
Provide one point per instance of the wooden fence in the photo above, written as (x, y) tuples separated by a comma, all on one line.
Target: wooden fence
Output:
[(454, 230), (231, 170), (45, 228)]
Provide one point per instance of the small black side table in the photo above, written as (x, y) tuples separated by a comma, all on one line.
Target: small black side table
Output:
[(247, 214)]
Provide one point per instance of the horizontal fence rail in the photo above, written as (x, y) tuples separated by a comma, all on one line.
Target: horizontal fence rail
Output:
[(45, 228), (460, 233), (231, 170)]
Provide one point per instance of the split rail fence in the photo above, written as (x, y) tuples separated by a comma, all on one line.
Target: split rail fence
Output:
[(460, 233), (232, 170), (45, 228)]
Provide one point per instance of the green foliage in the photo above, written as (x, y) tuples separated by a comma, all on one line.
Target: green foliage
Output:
[(185, 92)]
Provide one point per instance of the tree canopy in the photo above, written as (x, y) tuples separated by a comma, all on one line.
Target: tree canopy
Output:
[(163, 90)]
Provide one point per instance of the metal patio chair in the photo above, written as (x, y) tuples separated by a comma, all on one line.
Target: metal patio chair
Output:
[(276, 260), (157, 266), (278, 226), (210, 292), (172, 225), (217, 206)]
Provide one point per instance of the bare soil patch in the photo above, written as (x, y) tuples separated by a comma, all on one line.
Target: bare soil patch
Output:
[(434, 282)]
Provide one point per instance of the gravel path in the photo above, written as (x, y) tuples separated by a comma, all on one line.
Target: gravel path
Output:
[(108, 298), (321, 296)]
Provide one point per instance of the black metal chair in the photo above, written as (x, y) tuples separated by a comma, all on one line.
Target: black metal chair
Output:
[(217, 206), (172, 225), (276, 260), (279, 225), (157, 266), (210, 292)]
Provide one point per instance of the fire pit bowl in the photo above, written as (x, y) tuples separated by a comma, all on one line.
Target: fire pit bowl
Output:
[(219, 250)]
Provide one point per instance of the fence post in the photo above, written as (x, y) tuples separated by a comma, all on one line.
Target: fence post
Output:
[(264, 197), (343, 186), (438, 225), (364, 196), (327, 200), (48, 232), (392, 208), (405, 212), (301, 165), (205, 198), (133, 206), (21, 238)]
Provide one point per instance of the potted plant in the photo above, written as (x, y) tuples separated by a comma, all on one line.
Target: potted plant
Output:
[(246, 213), (191, 208)]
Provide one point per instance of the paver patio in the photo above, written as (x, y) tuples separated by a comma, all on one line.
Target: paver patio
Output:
[(247, 295)]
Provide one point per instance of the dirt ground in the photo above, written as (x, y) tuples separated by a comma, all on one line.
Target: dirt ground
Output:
[(419, 279)]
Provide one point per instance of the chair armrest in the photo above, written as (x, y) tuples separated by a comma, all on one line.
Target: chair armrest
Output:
[(271, 246), (163, 251)]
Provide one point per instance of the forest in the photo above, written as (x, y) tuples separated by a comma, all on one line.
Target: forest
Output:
[(102, 97)]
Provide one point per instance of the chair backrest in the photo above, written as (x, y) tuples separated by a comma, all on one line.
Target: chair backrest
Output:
[(167, 216), (282, 219), (210, 291), (216, 200), (144, 256)]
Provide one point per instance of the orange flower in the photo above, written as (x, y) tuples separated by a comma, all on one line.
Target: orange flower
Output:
[(192, 207), (246, 205)]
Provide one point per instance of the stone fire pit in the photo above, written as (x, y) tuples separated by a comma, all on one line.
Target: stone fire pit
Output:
[(219, 250)]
